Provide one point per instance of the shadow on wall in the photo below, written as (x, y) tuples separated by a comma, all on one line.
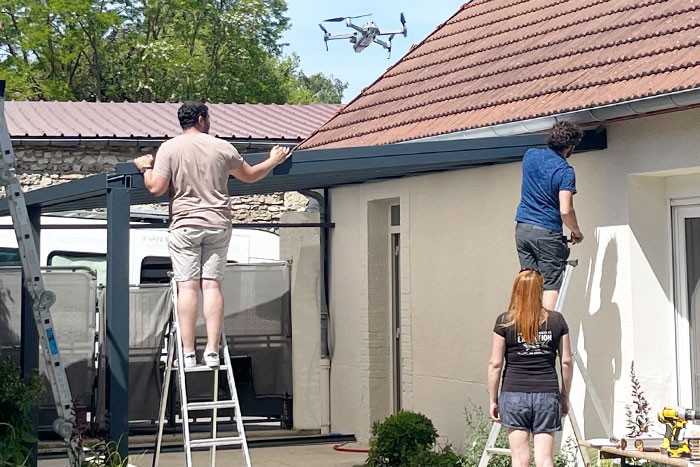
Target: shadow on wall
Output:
[(601, 330)]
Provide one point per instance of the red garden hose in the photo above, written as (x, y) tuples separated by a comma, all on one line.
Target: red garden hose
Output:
[(340, 448)]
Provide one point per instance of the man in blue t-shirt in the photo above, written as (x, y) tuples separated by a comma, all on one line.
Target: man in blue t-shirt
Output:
[(547, 199)]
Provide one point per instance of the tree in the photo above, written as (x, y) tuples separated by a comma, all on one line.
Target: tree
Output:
[(154, 50), (322, 88)]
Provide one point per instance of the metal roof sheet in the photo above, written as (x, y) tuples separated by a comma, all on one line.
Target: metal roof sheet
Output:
[(105, 120), (499, 61)]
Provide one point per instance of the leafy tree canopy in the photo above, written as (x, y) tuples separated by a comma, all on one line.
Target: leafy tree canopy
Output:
[(154, 51)]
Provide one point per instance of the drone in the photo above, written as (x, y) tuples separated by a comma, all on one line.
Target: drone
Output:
[(363, 35)]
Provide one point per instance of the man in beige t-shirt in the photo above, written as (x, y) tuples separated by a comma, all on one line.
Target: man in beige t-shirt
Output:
[(196, 167)]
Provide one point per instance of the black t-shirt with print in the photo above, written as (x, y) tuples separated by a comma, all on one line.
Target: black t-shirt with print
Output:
[(531, 367)]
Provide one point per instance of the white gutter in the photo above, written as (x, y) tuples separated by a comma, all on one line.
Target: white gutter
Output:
[(669, 101)]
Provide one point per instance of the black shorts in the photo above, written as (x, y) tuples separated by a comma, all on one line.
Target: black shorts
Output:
[(538, 412), (543, 250)]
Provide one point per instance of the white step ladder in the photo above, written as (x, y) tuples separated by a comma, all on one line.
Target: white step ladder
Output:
[(42, 299), (175, 349), (491, 450)]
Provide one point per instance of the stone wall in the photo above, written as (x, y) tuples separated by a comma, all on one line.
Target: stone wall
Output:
[(42, 166)]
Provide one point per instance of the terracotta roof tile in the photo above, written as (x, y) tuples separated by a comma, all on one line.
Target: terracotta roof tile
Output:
[(159, 120), (498, 61)]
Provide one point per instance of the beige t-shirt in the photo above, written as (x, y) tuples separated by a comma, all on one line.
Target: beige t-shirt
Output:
[(198, 166)]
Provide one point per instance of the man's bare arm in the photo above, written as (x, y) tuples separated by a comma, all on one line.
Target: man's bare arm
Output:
[(568, 215), (156, 184), (252, 173)]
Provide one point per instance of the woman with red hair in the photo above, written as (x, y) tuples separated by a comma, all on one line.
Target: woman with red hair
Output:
[(529, 338)]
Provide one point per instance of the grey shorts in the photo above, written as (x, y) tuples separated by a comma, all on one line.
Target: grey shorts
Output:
[(543, 250), (198, 252), (538, 412)]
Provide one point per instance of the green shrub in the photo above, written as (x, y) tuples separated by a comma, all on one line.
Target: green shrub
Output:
[(400, 438), (16, 400)]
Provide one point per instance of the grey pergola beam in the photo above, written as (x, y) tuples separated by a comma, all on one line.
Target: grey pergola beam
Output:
[(117, 317), (326, 168), (321, 168)]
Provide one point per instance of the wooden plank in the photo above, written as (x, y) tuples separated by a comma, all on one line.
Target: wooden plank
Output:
[(611, 452)]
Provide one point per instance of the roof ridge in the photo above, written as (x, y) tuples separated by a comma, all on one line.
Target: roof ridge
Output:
[(500, 20), (532, 95), (627, 40), (645, 4)]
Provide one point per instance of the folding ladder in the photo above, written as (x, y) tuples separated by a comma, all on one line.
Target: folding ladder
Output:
[(490, 449), (42, 299), (175, 350)]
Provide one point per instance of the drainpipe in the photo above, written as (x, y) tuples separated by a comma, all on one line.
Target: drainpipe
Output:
[(319, 203)]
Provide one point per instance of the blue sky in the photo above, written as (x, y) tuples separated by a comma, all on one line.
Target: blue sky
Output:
[(359, 70)]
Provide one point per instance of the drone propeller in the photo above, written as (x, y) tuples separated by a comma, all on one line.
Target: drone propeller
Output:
[(403, 19), (326, 35), (343, 18)]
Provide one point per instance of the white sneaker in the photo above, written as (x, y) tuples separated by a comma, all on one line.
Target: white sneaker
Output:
[(190, 360), (211, 359)]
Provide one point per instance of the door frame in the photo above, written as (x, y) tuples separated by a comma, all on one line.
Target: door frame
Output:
[(395, 318), (681, 210)]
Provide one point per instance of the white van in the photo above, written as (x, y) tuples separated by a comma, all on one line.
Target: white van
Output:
[(149, 261)]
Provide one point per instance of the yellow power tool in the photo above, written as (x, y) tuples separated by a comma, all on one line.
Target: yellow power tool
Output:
[(675, 419)]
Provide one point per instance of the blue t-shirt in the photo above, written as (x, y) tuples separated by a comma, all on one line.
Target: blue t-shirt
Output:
[(545, 174)]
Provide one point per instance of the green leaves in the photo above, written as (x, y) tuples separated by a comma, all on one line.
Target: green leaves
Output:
[(16, 400), (400, 438), (154, 50)]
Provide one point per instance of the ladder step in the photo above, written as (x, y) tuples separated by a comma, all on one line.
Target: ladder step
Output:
[(202, 368), (499, 451), (209, 442), (211, 405)]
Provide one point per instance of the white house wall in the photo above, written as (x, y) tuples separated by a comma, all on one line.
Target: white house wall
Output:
[(459, 261)]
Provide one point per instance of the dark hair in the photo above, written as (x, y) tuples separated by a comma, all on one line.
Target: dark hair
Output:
[(563, 135), (189, 113)]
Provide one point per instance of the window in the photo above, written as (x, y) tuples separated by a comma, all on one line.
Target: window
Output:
[(9, 257), (154, 270), (95, 261)]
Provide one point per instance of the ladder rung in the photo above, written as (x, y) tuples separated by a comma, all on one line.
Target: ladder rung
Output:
[(202, 368), (499, 451), (211, 405), (209, 442)]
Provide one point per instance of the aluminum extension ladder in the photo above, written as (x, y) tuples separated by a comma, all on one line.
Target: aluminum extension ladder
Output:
[(490, 449), (42, 299), (175, 349)]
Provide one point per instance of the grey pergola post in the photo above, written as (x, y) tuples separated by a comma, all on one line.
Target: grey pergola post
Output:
[(117, 317), (29, 346)]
